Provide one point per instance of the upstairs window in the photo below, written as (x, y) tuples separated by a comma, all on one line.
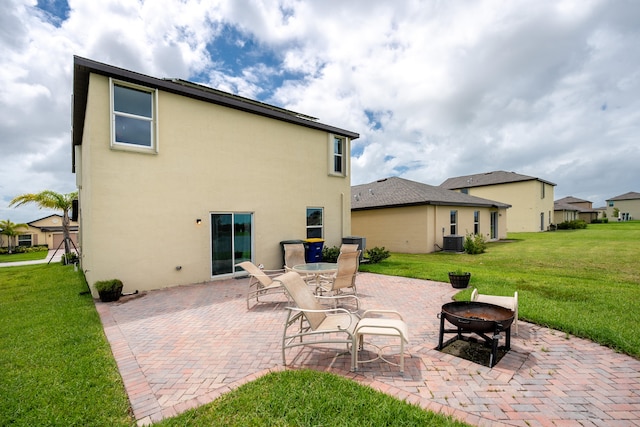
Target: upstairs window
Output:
[(476, 222), (338, 163), (542, 191), (133, 111)]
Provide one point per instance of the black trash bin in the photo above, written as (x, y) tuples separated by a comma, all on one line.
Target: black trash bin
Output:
[(355, 240), (314, 250), (289, 242)]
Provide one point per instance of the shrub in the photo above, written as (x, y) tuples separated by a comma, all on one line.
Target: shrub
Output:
[(474, 244), (108, 285), (375, 255), (70, 258), (330, 254), (576, 224), (603, 220)]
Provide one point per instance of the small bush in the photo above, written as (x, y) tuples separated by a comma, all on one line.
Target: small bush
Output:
[(108, 285), (474, 244), (330, 254), (576, 224), (70, 258), (375, 255), (600, 221)]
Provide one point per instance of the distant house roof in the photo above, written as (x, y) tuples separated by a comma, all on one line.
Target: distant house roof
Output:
[(488, 178), (570, 203), (397, 192), (83, 67), (631, 195), (571, 199), (50, 228)]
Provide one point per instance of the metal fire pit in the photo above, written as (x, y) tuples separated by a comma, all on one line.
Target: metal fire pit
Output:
[(479, 318)]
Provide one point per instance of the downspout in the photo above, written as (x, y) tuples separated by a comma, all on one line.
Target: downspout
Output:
[(342, 216)]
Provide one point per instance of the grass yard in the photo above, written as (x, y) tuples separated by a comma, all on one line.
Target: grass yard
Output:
[(583, 282), (29, 256)]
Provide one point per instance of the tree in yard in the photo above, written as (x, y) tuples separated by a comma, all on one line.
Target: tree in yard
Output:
[(10, 229), (48, 199)]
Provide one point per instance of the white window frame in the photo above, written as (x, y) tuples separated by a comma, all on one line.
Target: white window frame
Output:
[(321, 226), (453, 218), (153, 148), (344, 156)]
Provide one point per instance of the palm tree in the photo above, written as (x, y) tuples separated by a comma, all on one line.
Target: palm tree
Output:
[(48, 199), (10, 230)]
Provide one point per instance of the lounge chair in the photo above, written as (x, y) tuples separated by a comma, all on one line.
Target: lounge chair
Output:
[(507, 302), (293, 255), (310, 323), (343, 282), (261, 282)]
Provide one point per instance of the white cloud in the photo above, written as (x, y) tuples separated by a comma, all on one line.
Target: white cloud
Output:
[(547, 88)]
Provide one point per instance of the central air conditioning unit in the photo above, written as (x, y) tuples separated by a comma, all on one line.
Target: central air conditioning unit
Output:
[(453, 243)]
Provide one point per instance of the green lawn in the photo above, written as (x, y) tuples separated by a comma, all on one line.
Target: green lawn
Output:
[(583, 282), (29, 256)]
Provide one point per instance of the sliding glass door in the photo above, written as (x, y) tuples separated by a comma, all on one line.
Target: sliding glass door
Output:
[(231, 241)]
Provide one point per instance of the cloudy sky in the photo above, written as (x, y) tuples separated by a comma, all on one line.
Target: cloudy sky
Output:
[(436, 89)]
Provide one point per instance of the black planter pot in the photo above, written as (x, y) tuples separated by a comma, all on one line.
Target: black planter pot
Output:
[(109, 296), (459, 281)]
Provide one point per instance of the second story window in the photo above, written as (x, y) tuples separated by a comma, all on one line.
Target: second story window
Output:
[(133, 117), (542, 191), (338, 160)]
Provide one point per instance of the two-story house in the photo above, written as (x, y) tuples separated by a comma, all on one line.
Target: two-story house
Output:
[(412, 217), (531, 198), (627, 205), (573, 208), (179, 182)]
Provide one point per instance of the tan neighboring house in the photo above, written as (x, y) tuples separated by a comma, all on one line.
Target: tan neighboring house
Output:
[(412, 217), (45, 231), (179, 182), (531, 198), (628, 205), (572, 208)]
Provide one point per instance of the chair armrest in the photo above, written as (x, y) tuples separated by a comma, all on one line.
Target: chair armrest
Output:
[(329, 311)]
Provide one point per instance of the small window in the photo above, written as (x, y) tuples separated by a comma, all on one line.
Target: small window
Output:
[(133, 117), (338, 160), (476, 222), (542, 191), (314, 222), (464, 191), (24, 240), (454, 222), (611, 203)]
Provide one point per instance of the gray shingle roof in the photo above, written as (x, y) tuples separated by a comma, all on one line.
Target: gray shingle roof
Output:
[(631, 195), (488, 178), (571, 199), (395, 192)]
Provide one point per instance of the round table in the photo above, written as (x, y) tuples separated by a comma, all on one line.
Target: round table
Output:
[(315, 269)]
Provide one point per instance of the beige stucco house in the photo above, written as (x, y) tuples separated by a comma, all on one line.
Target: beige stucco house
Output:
[(412, 217), (572, 208), (178, 182), (628, 205), (45, 231), (531, 198)]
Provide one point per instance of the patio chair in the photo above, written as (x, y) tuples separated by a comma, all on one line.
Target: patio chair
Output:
[(343, 282), (310, 323), (293, 255), (507, 302), (261, 282), (348, 247)]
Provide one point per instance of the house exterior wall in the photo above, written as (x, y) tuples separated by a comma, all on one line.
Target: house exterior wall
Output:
[(419, 229), (527, 202), (631, 207), (563, 215), (138, 211)]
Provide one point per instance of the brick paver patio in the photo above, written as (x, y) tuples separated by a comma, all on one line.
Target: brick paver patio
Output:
[(182, 347)]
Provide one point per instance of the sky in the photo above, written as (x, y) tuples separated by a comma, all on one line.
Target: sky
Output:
[(436, 89)]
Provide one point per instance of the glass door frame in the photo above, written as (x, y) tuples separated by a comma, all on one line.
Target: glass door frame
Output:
[(232, 240)]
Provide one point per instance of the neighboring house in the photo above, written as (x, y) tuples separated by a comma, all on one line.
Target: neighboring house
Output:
[(531, 198), (411, 217), (179, 182), (628, 205), (572, 208), (46, 231)]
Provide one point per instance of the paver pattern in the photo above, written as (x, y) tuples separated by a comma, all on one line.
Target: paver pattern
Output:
[(182, 347)]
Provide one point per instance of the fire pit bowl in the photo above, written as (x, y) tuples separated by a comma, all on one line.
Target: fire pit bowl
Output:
[(482, 317)]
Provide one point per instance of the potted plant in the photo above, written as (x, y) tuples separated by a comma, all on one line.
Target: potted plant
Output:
[(109, 290), (459, 278)]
